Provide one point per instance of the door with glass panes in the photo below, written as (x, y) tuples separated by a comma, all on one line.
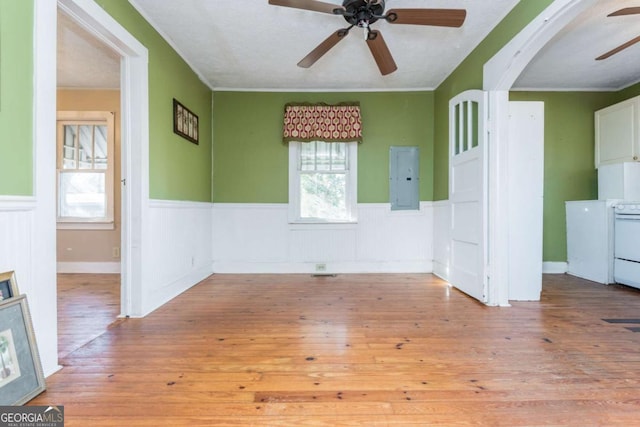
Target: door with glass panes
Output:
[(467, 192)]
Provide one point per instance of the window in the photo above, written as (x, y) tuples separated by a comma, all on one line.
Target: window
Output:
[(322, 181), (85, 169)]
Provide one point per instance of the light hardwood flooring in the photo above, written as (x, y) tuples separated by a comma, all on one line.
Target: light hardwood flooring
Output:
[(87, 305), (359, 350)]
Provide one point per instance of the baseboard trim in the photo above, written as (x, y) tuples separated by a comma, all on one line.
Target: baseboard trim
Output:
[(89, 267), (549, 267), (172, 289), (331, 267)]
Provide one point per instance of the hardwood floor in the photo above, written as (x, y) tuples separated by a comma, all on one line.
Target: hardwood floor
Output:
[(360, 350), (87, 305)]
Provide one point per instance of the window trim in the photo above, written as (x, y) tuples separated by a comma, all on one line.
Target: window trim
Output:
[(351, 190), (87, 117)]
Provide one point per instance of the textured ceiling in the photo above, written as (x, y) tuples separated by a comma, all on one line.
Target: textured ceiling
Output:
[(251, 45), (568, 61), (83, 60)]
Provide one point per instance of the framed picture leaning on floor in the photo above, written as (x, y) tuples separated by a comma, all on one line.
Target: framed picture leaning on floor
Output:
[(21, 375), (8, 285)]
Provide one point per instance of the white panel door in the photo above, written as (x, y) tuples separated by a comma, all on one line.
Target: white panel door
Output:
[(467, 192)]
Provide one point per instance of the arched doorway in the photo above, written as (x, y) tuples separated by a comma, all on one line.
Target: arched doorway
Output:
[(499, 75)]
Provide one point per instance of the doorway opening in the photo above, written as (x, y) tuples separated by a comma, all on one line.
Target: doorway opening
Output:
[(500, 74), (88, 176), (134, 123)]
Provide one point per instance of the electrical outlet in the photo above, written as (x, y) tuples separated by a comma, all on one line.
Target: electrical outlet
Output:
[(115, 252), (321, 267)]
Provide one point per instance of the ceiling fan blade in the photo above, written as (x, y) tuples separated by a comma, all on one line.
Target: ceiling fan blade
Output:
[(313, 5), (618, 49), (437, 17), (381, 52), (626, 11), (323, 48)]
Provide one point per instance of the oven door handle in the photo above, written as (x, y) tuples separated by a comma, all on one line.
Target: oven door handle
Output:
[(627, 217)]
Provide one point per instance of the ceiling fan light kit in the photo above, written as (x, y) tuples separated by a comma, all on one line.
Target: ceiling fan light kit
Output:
[(364, 13)]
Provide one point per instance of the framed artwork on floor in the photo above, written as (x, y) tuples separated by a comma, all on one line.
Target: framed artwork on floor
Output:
[(21, 375), (8, 285)]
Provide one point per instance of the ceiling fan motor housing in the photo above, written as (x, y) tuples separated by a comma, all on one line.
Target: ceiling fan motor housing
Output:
[(362, 13)]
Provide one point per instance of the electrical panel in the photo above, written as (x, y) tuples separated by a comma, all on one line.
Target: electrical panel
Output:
[(404, 178)]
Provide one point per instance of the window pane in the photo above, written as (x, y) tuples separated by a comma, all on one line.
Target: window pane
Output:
[(100, 147), (69, 147), (465, 126), (308, 156), (474, 123), (456, 130), (82, 195), (323, 156), (85, 149), (338, 156), (323, 196)]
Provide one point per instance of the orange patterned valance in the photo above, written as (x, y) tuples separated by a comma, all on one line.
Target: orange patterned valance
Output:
[(321, 122)]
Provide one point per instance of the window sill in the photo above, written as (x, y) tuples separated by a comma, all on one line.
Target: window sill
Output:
[(85, 225)]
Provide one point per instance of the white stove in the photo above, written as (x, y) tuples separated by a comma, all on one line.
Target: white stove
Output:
[(627, 208), (627, 244)]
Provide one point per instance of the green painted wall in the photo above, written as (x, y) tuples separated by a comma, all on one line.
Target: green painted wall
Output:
[(16, 95), (569, 172), (569, 139), (251, 162), (178, 169), (469, 75), (569, 130), (630, 92)]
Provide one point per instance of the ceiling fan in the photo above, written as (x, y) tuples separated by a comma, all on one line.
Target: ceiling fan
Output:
[(363, 13), (622, 12)]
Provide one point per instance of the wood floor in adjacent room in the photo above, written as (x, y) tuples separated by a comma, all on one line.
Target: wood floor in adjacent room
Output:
[(359, 350), (87, 305)]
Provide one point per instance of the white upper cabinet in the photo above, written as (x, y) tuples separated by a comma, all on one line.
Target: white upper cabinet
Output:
[(617, 138)]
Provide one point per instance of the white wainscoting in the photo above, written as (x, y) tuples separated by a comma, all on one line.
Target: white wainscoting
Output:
[(257, 238), (17, 239), (22, 250), (441, 238), (441, 243), (179, 254)]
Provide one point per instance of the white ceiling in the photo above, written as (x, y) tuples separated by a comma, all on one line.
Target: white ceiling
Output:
[(83, 60), (568, 61), (251, 45)]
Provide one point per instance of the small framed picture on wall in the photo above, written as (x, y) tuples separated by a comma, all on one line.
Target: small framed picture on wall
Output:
[(185, 123)]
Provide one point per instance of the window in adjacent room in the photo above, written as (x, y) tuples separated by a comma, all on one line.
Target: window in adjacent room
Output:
[(85, 169), (322, 182)]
